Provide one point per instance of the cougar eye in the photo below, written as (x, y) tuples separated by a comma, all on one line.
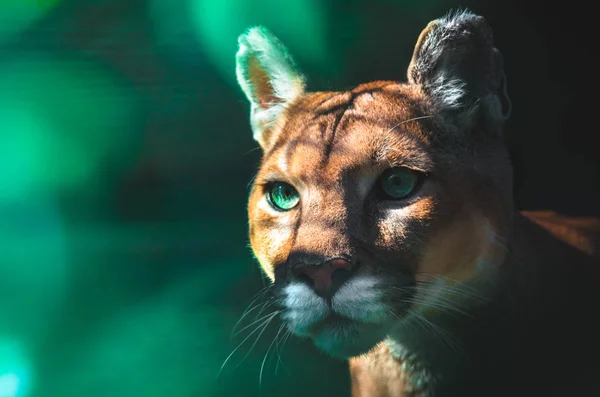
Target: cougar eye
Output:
[(398, 183), (282, 196)]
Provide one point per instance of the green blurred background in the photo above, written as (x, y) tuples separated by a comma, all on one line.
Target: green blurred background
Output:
[(125, 158)]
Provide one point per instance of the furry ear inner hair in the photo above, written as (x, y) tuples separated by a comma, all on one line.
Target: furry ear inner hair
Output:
[(268, 76), (458, 67)]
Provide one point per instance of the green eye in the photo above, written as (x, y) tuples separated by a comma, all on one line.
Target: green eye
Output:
[(397, 183), (282, 196)]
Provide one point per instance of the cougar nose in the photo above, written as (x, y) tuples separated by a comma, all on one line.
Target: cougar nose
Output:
[(325, 278)]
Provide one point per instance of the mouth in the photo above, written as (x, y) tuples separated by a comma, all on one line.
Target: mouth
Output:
[(358, 317), (335, 334), (344, 338)]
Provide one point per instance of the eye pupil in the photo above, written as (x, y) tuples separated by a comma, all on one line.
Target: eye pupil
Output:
[(396, 180)]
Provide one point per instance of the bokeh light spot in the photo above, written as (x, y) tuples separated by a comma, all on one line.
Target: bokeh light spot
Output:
[(9, 385), (301, 24), (14, 372), (62, 122)]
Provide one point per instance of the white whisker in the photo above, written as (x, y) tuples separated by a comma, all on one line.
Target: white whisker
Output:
[(406, 121), (261, 327), (262, 366)]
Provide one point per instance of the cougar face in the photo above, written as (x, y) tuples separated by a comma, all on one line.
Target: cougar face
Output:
[(372, 206)]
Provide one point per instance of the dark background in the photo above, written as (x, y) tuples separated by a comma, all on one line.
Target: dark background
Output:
[(125, 158)]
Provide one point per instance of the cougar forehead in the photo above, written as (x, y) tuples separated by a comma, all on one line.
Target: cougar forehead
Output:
[(357, 122)]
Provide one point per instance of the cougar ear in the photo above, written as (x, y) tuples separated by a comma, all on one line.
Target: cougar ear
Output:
[(458, 67), (268, 76)]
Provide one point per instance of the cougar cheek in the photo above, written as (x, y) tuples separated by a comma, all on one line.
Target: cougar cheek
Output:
[(464, 250)]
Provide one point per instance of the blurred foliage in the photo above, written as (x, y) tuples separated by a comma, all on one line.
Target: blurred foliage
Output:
[(125, 158), (54, 135), (18, 15)]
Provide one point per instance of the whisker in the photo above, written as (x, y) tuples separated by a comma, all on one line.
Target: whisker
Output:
[(262, 366), (451, 290), (279, 347), (437, 305), (249, 309), (406, 121), (249, 185), (245, 339), (265, 305), (264, 327), (451, 341), (431, 305), (394, 314), (233, 333), (456, 285), (426, 326), (441, 334), (438, 276), (251, 150), (466, 294), (252, 323), (419, 319), (446, 300)]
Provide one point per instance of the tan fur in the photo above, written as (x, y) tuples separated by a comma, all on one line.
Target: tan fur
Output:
[(365, 148), (363, 145), (378, 374), (581, 233)]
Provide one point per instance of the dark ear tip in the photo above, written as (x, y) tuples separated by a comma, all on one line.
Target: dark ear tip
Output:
[(461, 22), (461, 16)]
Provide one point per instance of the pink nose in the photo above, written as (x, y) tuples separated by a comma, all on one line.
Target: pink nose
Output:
[(323, 275)]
